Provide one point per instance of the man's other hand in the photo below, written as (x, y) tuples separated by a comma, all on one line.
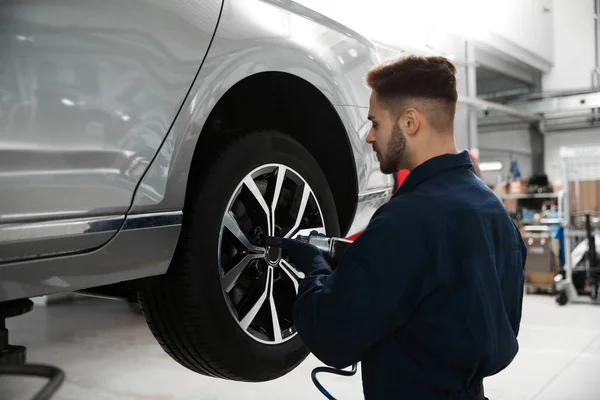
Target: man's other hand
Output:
[(302, 255)]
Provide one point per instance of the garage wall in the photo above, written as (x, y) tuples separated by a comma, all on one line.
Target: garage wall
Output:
[(517, 141), (522, 29), (506, 158), (505, 147), (461, 126), (573, 45), (554, 141), (516, 145)]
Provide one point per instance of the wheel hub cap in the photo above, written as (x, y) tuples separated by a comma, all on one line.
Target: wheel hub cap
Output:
[(273, 256)]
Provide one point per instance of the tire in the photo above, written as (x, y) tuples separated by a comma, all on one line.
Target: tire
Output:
[(189, 310)]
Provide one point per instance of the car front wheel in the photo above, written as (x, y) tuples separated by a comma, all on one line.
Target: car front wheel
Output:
[(225, 307)]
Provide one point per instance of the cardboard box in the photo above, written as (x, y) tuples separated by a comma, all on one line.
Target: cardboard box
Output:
[(514, 186), (589, 196), (541, 278)]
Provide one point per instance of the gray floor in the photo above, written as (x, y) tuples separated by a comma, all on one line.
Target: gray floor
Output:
[(108, 353)]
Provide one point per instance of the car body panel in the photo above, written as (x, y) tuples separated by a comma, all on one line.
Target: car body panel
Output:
[(88, 93), (253, 36), (257, 36), (142, 248)]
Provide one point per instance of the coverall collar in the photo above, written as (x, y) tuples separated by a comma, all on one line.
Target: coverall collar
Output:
[(434, 166)]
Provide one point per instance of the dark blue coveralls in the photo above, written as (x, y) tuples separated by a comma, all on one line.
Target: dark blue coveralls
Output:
[(429, 297)]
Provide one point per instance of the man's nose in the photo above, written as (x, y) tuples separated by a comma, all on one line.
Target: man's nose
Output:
[(370, 137)]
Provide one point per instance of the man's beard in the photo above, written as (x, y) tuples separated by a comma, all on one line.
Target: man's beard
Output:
[(394, 158)]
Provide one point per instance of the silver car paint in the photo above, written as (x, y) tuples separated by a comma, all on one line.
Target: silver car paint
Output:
[(253, 36), (88, 91), (295, 40), (132, 254)]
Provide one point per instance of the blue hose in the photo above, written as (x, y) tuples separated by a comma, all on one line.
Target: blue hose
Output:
[(329, 370)]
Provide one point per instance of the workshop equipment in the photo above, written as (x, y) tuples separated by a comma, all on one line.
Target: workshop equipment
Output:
[(332, 249), (580, 280), (13, 359), (542, 264)]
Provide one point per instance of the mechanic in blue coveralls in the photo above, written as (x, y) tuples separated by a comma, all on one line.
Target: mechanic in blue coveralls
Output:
[(429, 297)]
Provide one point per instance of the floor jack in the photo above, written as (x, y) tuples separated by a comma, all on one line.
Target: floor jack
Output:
[(580, 284), (13, 359)]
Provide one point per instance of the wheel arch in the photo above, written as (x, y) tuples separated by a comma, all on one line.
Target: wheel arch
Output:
[(338, 103), (263, 101)]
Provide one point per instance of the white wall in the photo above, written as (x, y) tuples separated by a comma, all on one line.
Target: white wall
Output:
[(504, 147), (554, 141), (506, 158), (525, 28), (573, 45), (518, 141)]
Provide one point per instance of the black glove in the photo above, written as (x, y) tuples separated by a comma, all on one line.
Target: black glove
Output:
[(302, 255)]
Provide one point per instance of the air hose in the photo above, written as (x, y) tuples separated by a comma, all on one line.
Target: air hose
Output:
[(332, 249), (329, 370)]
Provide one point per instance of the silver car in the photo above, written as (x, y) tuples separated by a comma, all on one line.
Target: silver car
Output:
[(154, 143)]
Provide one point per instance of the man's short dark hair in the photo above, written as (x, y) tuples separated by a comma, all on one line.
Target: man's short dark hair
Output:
[(425, 82)]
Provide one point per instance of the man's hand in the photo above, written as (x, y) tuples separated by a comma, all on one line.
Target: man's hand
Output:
[(302, 255)]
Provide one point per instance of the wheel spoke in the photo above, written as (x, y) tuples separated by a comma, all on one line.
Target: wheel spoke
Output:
[(247, 320), (293, 274), (303, 203), (274, 316), (247, 272), (251, 185), (278, 185), (231, 224), (230, 278)]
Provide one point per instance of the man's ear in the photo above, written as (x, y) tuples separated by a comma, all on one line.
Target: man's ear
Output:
[(412, 121)]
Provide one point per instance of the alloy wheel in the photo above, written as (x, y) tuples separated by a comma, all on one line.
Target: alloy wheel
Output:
[(259, 284)]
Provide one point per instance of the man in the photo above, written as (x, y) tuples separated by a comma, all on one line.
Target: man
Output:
[(429, 297)]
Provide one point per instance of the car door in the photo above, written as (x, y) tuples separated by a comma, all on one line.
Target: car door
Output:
[(88, 92)]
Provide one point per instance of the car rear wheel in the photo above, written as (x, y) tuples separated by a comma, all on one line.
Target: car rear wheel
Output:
[(225, 307)]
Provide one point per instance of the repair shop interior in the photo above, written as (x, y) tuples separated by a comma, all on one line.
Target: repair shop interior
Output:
[(155, 155)]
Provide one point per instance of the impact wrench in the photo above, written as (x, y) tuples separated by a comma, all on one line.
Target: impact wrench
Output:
[(332, 249)]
